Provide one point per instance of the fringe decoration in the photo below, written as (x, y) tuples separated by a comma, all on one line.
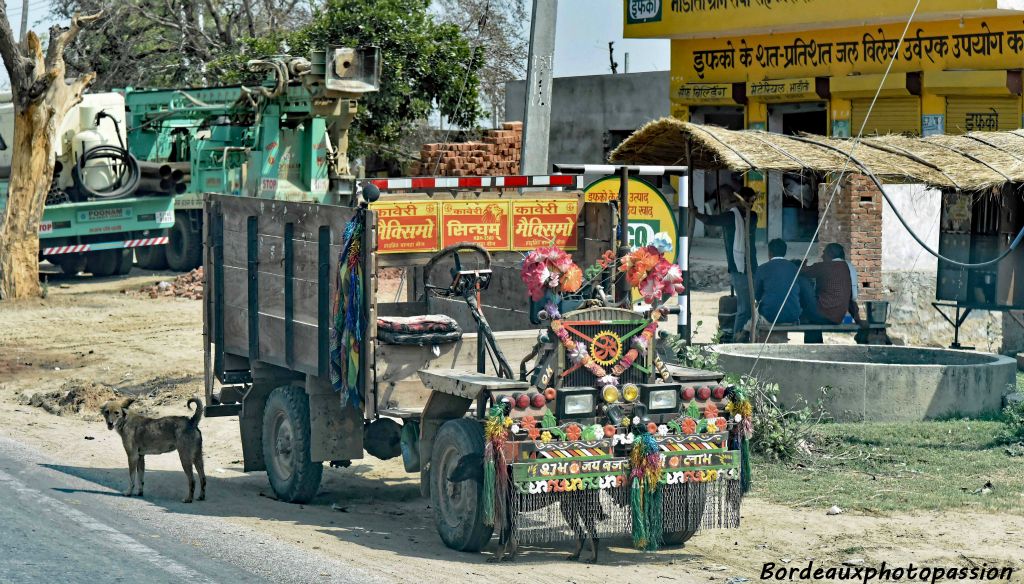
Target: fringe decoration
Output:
[(495, 487), (745, 467), (646, 496), (487, 499), (349, 319)]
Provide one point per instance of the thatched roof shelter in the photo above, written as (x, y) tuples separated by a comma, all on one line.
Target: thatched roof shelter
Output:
[(974, 161)]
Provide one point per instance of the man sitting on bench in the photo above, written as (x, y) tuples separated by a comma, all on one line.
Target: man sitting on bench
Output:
[(834, 290), (776, 302)]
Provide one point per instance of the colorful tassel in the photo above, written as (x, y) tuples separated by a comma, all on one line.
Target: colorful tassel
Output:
[(646, 494), (349, 319), (495, 467)]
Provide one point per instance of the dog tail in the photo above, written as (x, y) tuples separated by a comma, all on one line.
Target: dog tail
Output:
[(199, 410)]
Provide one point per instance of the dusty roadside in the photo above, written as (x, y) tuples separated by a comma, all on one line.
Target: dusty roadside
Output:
[(91, 337)]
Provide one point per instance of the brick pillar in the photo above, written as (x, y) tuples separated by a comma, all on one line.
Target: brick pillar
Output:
[(855, 221)]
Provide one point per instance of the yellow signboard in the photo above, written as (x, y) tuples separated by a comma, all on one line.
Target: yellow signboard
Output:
[(702, 93), (545, 222), (407, 226), (716, 18), (649, 212), (790, 90), (991, 43)]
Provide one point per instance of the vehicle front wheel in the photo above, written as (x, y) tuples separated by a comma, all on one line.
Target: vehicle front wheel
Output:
[(695, 503), (458, 515), (294, 477)]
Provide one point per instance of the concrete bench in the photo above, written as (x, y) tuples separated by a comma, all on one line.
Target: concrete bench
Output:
[(867, 333)]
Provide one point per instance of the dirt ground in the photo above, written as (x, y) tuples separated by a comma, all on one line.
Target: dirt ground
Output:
[(89, 337)]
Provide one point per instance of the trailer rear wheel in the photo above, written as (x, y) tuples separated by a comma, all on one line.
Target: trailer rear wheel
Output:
[(458, 514), (152, 257), (184, 249), (294, 477), (103, 263)]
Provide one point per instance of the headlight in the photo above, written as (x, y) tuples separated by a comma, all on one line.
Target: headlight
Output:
[(630, 392), (610, 394), (664, 399), (578, 404)]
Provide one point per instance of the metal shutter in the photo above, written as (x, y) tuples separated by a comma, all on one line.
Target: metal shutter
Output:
[(892, 115), (982, 113)]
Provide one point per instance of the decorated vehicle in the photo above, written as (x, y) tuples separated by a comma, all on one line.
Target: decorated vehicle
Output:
[(323, 358), (595, 435)]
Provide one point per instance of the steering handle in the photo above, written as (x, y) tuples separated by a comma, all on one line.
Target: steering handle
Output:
[(452, 250)]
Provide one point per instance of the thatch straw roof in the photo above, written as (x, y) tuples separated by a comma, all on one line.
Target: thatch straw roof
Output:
[(974, 161)]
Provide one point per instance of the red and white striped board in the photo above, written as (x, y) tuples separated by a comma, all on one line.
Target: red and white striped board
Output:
[(431, 183), (84, 247)]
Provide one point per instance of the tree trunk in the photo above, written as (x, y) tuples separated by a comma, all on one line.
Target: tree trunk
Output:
[(35, 128)]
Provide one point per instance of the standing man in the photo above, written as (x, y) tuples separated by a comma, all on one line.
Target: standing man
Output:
[(737, 210)]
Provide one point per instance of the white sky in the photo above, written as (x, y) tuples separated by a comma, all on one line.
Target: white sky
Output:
[(585, 27)]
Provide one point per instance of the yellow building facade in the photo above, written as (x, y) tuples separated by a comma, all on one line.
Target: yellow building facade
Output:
[(815, 66)]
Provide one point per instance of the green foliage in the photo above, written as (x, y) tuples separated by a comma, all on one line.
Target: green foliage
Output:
[(426, 64), (1012, 430), (879, 467), (780, 433)]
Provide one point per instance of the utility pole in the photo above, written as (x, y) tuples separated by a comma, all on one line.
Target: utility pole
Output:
[(537, 125), (24, 19)]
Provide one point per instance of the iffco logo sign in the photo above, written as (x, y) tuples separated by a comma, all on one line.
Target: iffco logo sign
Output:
[(641, 11)]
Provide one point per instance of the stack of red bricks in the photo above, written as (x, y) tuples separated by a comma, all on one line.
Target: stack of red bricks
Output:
[(498, 154), (855, 221)]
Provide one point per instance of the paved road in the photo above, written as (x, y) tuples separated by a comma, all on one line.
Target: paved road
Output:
[(57, 527)]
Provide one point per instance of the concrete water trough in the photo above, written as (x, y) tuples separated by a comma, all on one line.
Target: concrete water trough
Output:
[(879, 383)]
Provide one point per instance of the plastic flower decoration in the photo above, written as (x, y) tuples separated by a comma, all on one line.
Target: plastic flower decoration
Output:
[(550, 269), (533, 433), (647, 269), (662, 242), (545, 436), (572, 279), (573, 432), (689, 426)]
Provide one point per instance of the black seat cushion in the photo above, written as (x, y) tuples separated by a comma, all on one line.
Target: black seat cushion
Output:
[(429, 329)]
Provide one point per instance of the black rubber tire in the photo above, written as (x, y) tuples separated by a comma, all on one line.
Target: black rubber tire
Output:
[(294, 477), (458, 515), (103, 263), (184, 249), (672, 538), (69, 263), (151, 257), (126, 262)]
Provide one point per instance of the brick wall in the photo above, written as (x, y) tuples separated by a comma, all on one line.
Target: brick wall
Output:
[(498, 154), (854, 221)]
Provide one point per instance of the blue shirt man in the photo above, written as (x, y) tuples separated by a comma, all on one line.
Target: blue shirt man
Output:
[(772, 282)]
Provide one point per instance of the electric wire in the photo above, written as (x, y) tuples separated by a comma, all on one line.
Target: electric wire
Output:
[(835, 190)]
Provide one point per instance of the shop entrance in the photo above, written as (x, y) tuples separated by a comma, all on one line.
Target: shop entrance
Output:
[(793, 197), (709, 186)]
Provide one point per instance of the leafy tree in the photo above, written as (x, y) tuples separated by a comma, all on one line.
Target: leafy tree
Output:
[(42, 94), (168, 43), (428, 64), (495, 27)]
